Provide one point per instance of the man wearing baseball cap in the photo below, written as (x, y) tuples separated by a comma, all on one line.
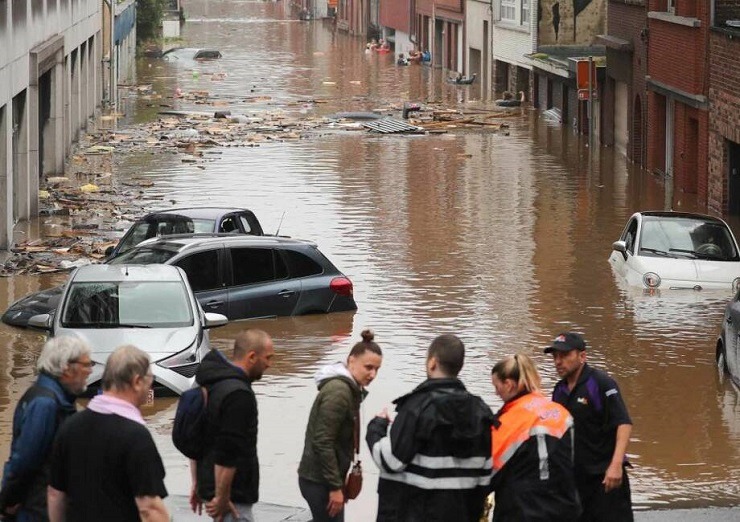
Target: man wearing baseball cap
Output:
[(602, 431)]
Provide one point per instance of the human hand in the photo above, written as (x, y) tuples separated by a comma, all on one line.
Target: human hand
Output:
[(196, 504), (219, 507), (384, 415), (336, 502), (613, 477)]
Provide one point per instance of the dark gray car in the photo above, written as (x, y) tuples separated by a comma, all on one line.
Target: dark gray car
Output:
[(246, 277)]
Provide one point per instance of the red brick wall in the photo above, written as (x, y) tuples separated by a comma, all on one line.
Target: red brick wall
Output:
[(724, 123), (690, 152), (677, 55), (447, 9), (656, 132), (396, 14)]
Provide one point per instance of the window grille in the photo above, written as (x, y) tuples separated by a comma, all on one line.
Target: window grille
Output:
[(508, 10)]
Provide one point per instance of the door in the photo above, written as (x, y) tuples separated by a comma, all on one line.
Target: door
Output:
[(733, 164), (621, 111), (205, 274), (732, 321), (260, 286)]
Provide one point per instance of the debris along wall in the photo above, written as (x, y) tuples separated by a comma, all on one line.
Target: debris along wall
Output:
[(565, 22), (44, 46)]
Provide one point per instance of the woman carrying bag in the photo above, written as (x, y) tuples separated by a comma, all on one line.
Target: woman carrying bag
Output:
[(332, 433)]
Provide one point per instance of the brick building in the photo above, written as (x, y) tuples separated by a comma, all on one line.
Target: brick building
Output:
[(396, 19), (624, 105), (724, 113), (440, 29), (678, 87)]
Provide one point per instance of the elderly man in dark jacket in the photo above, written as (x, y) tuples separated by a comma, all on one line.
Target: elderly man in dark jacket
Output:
[(64, 366), (435, 464)]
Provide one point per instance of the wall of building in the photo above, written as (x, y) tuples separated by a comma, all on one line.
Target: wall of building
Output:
[(396, 14), (724, 125), (478, 34), (49, 86), (570, 23)]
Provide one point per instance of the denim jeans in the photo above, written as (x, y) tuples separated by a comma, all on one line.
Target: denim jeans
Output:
[(317, 496)]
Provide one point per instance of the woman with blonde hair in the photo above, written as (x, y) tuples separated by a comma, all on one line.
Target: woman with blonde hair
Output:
[(532, 447), (333, 431)]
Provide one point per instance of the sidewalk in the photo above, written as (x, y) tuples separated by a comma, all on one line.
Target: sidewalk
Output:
[(263, 512)]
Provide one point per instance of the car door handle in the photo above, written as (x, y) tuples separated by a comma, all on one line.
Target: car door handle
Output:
[(214, 304), (286, 293)]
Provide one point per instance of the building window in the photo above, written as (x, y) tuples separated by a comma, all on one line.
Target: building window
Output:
[(671, 6), (525, 12), (508, 10)]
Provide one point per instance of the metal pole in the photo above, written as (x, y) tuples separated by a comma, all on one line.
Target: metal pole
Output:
[(590, 104)]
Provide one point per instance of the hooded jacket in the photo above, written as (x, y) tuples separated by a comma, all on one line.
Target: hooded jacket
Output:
[(329, 444), (232, 429), (435, 464), (39, 413)]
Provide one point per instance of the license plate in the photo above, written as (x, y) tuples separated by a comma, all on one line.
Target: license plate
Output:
[(150, 397)]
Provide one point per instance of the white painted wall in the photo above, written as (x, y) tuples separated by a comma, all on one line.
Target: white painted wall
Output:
[(511, 41), (73, 23), (476, 13)]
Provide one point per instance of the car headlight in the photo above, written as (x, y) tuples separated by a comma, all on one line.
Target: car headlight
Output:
[(651, 280), (184, 358), (736, 285)]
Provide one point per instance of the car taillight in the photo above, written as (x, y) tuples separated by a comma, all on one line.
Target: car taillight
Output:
[(341, 286)]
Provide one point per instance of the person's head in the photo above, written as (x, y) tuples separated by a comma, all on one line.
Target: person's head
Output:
[(445, 356), (253, 352), (400, 56), (364, 359), (513, 375), (128, 374), (568, 353), (68, 360)]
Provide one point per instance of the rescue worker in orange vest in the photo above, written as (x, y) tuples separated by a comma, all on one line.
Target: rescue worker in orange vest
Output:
[(532, 447)]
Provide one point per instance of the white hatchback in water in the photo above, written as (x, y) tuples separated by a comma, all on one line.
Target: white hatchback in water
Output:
[(677, 250), (151, 307)]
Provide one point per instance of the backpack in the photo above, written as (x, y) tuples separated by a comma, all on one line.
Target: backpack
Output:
[(190, 428)]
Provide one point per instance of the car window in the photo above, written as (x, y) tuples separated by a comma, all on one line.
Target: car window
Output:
[(229, 225), (682, 237), (203, 226), (245, 224), (300, 265), (256, 265), (202, 270), (179, 226), (630, 234), (143, 256), (155, 304), (139, 232)]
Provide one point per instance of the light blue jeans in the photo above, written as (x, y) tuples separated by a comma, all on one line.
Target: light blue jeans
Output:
[(245, 514)]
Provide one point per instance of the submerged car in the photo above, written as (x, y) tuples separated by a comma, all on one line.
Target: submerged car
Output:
[(728, 344), (188, 221), (677, 250), (151, 307), (239, 276)]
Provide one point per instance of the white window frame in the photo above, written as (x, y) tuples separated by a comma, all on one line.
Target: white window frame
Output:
[(525, 12), (508, 10), (671, 6)]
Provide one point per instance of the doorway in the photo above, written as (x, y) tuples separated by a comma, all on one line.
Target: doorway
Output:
[(733, 175)]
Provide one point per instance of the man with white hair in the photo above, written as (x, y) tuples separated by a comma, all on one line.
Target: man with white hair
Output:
[(64, 366), (105, 465)]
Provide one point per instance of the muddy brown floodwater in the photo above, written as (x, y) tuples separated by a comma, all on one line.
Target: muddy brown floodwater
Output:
[(501, 239)]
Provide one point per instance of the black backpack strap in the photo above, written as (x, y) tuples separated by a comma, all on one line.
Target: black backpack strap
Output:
[(217, 392)]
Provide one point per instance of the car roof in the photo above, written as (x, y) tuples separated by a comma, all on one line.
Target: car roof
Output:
[(670, 214), (185, 241), (115, 273), (198, 212)]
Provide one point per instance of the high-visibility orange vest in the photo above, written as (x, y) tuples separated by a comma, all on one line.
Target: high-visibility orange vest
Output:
[(522, 418)]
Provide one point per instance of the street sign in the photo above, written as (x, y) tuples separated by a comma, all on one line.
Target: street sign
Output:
[(583, 94), (582, 75)]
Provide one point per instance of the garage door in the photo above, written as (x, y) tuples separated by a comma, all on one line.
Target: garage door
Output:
[(621, 110)]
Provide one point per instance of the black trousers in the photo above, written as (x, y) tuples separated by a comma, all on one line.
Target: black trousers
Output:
[(317, 496), (599, 506)]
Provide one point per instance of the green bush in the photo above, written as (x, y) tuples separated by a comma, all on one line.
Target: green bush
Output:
[(149, 18)]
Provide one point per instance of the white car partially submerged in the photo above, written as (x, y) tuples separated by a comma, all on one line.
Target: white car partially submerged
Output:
[(151, 307), (677, 250)]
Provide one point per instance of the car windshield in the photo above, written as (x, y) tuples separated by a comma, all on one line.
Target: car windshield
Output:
[(129, 304), (686, 237), (165, 226), (143, 256)]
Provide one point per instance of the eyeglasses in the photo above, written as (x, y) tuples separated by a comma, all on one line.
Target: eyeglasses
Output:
[(86, 364)]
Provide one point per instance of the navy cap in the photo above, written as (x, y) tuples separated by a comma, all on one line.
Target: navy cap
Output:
[(566, 342)]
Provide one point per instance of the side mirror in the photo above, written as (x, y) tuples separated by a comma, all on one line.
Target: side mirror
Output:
[(41, 321), (109, 251), (620, 246), (214, 320)]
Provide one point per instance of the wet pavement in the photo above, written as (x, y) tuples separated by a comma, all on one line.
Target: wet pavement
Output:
[(500, 238)]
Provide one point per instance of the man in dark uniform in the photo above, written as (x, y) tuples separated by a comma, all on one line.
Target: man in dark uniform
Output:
[(602, 431)]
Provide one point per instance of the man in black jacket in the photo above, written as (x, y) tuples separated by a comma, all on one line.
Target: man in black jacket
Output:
[(435, 465), (226, 479)]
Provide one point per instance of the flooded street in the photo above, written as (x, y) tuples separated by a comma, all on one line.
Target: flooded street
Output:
[(501, 239)]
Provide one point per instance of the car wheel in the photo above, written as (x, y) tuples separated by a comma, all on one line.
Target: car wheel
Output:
[(721, 359)]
